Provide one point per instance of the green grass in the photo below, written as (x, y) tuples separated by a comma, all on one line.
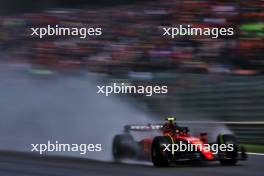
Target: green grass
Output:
[(254, 148)]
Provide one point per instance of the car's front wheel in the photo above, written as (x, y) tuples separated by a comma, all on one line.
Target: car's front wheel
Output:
[(228, 157)]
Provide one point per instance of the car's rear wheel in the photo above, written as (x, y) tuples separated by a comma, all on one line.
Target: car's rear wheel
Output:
[(123, 146), (228, 157), (160, 157)]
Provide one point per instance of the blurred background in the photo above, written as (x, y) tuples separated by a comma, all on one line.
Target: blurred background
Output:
[(208, 79)]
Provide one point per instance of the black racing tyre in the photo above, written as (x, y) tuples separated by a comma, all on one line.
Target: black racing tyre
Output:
[(243, 152), (159, 157), (228, 157), (123, 146)]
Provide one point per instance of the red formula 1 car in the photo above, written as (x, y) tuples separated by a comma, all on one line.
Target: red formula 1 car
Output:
[(175, 144)]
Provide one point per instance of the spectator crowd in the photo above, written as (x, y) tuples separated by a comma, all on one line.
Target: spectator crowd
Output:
[(132, 38)]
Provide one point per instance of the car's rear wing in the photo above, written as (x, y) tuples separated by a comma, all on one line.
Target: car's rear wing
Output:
[(149, 127)]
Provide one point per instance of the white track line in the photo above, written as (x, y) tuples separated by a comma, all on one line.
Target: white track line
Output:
[(260, 154)]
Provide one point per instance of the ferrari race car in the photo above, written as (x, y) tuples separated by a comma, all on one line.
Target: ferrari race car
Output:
[(164, 149)]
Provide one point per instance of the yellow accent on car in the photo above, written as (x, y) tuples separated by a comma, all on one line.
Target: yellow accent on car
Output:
[(170, 138)]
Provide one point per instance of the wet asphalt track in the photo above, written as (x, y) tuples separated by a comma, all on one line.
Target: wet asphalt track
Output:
[(13, 164)]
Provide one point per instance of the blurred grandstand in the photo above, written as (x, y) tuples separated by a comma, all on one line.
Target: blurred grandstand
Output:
[(132, 41)]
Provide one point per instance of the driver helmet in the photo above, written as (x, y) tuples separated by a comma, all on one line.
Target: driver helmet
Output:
[(171, 119)]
